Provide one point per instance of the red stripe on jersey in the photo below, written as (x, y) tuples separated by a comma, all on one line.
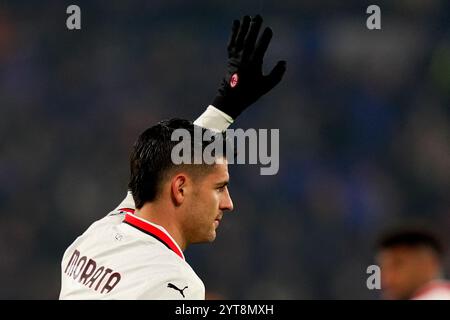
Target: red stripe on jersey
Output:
[(153, 231), (127, 210)]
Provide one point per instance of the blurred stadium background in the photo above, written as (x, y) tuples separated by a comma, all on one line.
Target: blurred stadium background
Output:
[(363, 118)]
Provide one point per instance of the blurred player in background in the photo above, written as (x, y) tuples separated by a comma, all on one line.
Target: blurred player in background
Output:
[(136, 251), (411, 263)]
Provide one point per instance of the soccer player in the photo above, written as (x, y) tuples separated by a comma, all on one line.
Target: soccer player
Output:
[(411, 263), (136, 251)]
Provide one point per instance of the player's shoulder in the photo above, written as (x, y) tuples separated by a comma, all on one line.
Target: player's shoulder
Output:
[(169, 280), (161, 270), (152, 255), (153, 270), (112, 218), (97, 230)]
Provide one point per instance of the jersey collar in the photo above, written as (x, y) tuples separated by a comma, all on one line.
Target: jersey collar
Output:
[(157, 232)]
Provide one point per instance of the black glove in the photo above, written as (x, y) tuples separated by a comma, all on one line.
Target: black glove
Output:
[(244, 82)]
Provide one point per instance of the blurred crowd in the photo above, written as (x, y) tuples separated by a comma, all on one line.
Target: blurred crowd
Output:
[(364, 123)]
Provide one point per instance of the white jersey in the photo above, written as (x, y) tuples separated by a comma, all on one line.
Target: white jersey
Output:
[(435, 290), (125, 257)]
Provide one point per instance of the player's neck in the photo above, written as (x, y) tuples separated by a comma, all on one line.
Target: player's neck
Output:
[(164, 217)]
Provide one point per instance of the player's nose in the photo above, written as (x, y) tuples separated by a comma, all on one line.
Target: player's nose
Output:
[(226, 203)]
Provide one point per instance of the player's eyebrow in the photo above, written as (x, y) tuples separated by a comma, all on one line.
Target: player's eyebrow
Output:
[(222, 184)]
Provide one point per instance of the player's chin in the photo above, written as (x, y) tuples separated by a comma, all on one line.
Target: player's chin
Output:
[(206, 237), (212, 235)]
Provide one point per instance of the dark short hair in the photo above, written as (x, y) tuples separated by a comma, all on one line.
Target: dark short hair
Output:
[(151, 159), (411, 237)]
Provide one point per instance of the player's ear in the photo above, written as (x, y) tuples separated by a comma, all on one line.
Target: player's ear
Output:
[(178, 188)]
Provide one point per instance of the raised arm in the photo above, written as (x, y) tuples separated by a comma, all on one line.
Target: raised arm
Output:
[(243, 83)]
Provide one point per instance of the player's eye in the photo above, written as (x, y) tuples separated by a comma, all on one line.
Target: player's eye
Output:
[(222, 188)]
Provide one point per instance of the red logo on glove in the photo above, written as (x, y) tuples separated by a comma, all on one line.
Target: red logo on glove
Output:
[(234, 80)]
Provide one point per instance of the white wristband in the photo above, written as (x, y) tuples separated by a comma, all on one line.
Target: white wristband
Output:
[(214, 119)]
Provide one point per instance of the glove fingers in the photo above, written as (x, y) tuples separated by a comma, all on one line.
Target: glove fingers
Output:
[(242, 33), (250, 39), (275, 76), (262, 44), (234, 32)]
